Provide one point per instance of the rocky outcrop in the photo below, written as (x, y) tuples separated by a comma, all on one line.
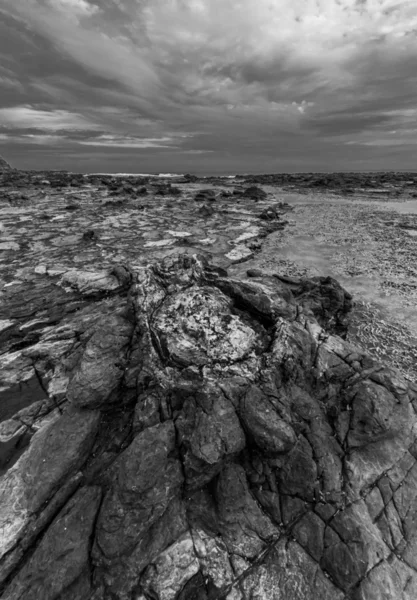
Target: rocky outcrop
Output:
[(4, 165), (254, 193), (381, 184), (202, 437)]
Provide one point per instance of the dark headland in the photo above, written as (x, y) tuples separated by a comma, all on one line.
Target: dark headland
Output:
[(208, 387)]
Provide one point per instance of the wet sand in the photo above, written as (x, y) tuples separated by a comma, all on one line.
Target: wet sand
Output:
[(370, 247)]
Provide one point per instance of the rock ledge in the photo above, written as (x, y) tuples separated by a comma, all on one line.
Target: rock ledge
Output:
[(197, 437)]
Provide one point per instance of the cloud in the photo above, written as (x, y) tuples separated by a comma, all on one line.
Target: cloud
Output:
[(247, 79), (29, 117), (30, 138), (67, 137), (112, 141), (9, 82), (74, 7), (384, 142)]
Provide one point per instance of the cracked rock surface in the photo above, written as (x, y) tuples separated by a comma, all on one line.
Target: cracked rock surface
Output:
[(185, 435)]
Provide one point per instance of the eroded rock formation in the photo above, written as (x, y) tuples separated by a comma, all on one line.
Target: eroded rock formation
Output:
[(4, 165), (192, 436)]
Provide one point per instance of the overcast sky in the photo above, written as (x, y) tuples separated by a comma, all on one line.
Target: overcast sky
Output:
[(208, 85)]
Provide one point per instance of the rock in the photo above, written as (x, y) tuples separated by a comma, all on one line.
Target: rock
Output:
[(210, 433), (102, 364), (89, 282), (240, 253), (269, 432), (54, 454), (167, 190), (206, 210), (330, 304), (9, 246), (254, 273), (207, 195), (146, 482), (4, 165), (227, 338), (246, 530), (254, 193), (271, 213), (289, 568), (193, 435), (21, 389), (90, 236), (63, 553), (164, 582), (190, 178)]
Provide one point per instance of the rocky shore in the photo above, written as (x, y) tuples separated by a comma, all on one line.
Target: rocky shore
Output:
[(179, 422)]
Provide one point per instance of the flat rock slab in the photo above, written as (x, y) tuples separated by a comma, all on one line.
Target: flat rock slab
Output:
[(101, 229), (9, 246)]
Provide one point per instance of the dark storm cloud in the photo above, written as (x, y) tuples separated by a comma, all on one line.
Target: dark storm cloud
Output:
[(195, 84)]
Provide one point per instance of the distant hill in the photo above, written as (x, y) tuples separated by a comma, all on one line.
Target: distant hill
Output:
[(4, 165)]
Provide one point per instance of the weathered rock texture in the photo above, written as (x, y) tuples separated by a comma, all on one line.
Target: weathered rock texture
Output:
[(4, 165), (192, 436)]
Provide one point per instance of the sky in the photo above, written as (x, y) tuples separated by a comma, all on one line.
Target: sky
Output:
[(209, 86)]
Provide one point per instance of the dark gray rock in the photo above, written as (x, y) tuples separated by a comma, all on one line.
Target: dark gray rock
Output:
[(329, 303), (62, 556), (4, 165), (268, 431), (203, 437), (254, 193), (208, 195)]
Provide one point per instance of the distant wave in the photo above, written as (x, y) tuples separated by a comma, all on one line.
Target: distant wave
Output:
[(170, 175), (138, 174), (161, 175)]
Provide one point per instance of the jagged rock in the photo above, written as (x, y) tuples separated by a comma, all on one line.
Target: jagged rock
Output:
[(62, 557), (214, 438), (328, 302), (270, 213), (4, 165), (190, 178), (102, 364), (275, 212), (54, 454), (245, 528), (267, 430), (206, 210), (161, 580), (88, 282)]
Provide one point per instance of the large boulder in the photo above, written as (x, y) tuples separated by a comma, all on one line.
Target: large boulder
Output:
[(202, 437)]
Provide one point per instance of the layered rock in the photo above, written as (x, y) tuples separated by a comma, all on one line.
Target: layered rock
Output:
[(203, 437)]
